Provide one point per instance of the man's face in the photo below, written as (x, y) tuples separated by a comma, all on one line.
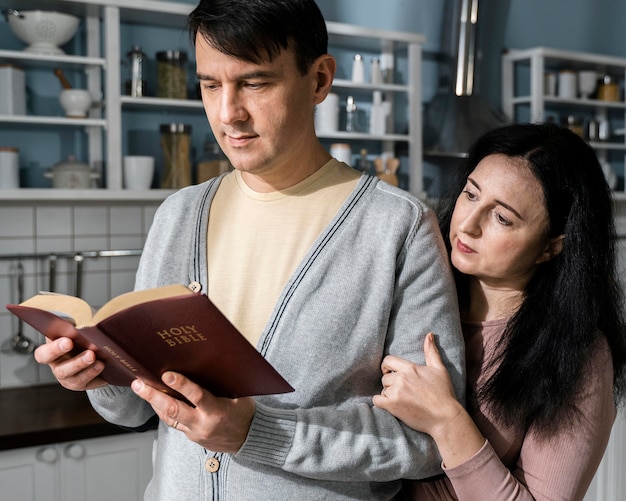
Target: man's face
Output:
[(261, 114)]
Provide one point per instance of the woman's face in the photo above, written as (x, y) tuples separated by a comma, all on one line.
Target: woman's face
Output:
[(499, 226)]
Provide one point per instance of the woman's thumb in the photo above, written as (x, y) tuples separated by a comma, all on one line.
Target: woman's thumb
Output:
[(431, 353)]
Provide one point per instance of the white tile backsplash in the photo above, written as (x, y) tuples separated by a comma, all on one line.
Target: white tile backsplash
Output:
[(17, 221), (54, 221), (91, 221), (127, 220), (64, 228)]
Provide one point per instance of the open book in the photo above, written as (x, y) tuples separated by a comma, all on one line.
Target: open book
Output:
[(147, 332)]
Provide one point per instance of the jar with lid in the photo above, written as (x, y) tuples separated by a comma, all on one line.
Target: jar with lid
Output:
[(352, 115), (575, 124), (608, 89), (176, 148), (135, 85), (212, 162), (172, 74)]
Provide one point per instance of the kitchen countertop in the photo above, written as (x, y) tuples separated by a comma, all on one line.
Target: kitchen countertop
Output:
[(40, 415)]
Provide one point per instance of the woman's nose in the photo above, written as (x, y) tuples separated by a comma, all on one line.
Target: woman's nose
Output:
[(470, 223)]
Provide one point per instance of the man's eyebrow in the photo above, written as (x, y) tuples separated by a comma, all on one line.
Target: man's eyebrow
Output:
[(244, 76)]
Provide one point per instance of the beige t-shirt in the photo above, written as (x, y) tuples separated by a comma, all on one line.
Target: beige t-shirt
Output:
[(256, 240)]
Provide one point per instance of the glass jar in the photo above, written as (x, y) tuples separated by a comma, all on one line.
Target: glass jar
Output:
[(176, 147), (135, 85), (172, 74), (212, 162), (608, 89), (575, 124)]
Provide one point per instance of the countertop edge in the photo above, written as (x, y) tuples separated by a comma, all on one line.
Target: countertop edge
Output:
[(48, 414)]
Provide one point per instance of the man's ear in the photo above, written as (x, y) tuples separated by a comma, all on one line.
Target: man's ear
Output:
[(323, 69), (553, 249)]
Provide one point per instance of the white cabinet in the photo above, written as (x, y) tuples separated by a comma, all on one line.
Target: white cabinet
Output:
[(100, 469), (121, 124), (525, 98)]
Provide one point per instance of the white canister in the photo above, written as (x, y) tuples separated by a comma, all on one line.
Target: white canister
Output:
[(9, 168), (549, 84), (568, 86), (327, 114), (13, 95), (342, 152)]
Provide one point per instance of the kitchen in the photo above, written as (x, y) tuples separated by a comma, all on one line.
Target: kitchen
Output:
[(42, 221)]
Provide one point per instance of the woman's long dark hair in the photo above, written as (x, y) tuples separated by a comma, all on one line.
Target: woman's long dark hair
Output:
[(571, 297)]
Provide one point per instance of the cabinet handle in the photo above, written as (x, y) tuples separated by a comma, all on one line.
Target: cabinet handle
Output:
[(48, 455), (74, 451)]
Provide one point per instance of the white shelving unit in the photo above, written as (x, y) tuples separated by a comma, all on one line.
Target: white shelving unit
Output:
[(104, 128), (524, 97)]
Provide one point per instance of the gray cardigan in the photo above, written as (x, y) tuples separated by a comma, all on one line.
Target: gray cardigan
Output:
[(374, 283)]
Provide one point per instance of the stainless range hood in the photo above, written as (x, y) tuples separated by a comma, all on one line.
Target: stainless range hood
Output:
[(456, 116)]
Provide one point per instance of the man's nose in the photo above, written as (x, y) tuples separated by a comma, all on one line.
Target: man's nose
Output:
[(232, 108)]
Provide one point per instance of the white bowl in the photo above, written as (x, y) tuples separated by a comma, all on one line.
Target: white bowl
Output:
[(43, 31), (75, 102)]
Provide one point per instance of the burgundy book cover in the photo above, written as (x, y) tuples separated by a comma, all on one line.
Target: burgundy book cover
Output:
[(187, 334)]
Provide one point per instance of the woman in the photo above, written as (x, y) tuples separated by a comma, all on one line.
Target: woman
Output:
[(531, 238)]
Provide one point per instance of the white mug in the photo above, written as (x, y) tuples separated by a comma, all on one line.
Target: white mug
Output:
[(327, 114), (138, 172), (568, 86)]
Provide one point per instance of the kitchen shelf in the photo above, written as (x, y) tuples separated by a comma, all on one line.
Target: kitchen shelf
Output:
[(348, 84), (27, 195), (44, 121), (364, 136), (111, 128), (563, 102), (33, 60), (160, 103), (524, 98)]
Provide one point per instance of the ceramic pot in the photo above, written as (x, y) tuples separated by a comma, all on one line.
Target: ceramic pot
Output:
[(71, 174)]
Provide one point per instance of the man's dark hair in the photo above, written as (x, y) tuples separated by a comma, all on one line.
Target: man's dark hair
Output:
[(259, 30)]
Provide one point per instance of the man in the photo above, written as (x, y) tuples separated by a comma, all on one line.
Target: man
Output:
[(325, 271)]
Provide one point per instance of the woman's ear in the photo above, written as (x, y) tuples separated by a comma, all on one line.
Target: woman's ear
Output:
[(323, 69), (553, 249)]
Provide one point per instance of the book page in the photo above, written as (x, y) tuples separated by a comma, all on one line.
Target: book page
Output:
[(129, 299), (81, 314), (73, 309)]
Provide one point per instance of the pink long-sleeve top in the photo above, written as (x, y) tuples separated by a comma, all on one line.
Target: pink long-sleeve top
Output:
[(512, 465)]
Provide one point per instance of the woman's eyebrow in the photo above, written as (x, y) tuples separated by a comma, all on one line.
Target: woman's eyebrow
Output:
[(499, 202)]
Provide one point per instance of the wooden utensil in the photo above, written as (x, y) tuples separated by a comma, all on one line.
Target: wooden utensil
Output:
[(61, 76), (388, 171)]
